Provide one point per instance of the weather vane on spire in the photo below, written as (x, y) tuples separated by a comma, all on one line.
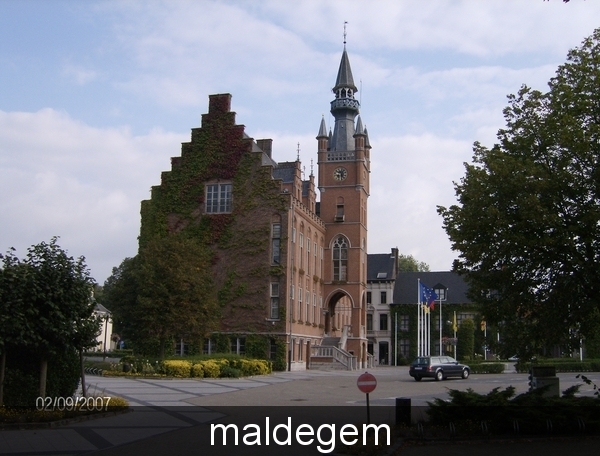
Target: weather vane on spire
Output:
[(345, 22)]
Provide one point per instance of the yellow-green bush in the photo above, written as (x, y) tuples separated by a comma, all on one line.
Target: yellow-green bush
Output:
[(177, 368), (254, 367), (197, 370), (211, 368)]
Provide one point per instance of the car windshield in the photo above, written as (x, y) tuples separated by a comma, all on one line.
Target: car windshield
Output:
[(421, 361)]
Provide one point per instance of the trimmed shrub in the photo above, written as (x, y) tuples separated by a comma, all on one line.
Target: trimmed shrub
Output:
[(197, 370), (487, 368), (177, 368), (230, 372), (255, 367), (211, 368)]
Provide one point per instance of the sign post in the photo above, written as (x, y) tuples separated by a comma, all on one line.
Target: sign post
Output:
[(367, 383)]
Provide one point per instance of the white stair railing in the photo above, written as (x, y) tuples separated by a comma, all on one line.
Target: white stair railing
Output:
[(337, 354)]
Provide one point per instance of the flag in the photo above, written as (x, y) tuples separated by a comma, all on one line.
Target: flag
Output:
[(428, 297)]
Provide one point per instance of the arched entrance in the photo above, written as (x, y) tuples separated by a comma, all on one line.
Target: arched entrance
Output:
[(338, 313)]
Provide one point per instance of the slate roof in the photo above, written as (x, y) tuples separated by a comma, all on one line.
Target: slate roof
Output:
[(344, 77), (380, 267), (285, 171), (101, 309), (407, 285)]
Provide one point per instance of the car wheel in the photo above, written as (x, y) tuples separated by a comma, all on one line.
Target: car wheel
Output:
[(465, 373), (439, 375), (418, 379)]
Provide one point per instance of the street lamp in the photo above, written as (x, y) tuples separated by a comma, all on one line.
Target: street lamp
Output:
[(442, 293)]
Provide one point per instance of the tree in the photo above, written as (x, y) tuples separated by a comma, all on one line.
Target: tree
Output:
[(119, 294), (165, 293), (465, 344), (527, 226), (408, 263), (15, 317), (46, 305)]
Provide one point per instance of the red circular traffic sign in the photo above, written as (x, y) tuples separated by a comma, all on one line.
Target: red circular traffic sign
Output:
[(366, 382)]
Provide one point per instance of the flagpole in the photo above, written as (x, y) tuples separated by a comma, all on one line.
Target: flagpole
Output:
[(428, 327), (419, 353), (454, 328)]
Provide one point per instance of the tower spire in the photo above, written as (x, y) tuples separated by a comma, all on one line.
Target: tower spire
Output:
[(345, 107)]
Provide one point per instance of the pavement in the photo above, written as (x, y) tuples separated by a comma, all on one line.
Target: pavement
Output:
[(173, 416)]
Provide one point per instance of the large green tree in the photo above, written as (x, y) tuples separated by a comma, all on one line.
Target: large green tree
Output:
[(164, 293), (46, 306), (527, 226)]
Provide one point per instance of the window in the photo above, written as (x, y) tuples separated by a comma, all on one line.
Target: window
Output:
[(368, 297), (307, 302), (238, 345), (307, 255), (339, 213), (384, 297), (404, 322), (273, 350), (207, 347), (301, 244), (405, 347), (369, 322), (274, 313), (218, 198), (340, 259), (181, 348), (383, 322), (276, 243)]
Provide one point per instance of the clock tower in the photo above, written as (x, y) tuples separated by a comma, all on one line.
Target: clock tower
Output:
[(344, 167)]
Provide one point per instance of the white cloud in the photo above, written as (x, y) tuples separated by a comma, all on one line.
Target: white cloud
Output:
[(435, 75), (415, 177), (80, 75), (81, 183)]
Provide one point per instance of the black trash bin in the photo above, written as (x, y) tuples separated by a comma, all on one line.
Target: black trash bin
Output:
[(403, 411)]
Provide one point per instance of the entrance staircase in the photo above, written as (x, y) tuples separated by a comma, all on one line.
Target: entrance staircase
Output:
[(330, 356)]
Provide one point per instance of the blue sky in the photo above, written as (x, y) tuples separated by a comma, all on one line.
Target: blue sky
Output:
[(96, 96)]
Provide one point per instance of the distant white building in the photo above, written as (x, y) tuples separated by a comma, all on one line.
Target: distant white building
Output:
[(382, 269), (104, 339)]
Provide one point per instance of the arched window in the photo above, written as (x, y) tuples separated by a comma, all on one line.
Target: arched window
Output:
[(340, 259)]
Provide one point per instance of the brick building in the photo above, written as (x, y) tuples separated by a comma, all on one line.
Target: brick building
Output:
[(290, 268)]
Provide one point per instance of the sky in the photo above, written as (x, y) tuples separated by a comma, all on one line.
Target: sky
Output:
[(96, 96)]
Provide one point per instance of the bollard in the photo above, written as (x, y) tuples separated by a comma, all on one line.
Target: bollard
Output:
[(403, 411)]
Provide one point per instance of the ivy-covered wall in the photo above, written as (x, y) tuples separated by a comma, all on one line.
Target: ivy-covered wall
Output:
[(447, 333), (239, 242)]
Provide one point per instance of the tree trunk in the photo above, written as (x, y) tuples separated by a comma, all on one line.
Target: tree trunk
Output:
[(83, 391), (43, 375), (161, 353), (2, 368)]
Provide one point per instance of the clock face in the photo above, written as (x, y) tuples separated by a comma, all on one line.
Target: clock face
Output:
[(340, 174)]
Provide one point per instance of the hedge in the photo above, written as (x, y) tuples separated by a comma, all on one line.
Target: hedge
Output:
[(208, 368), (177, 368), (487, 368), (563, 366)]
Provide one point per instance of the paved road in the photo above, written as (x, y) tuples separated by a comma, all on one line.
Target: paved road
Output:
[(172, 416)]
